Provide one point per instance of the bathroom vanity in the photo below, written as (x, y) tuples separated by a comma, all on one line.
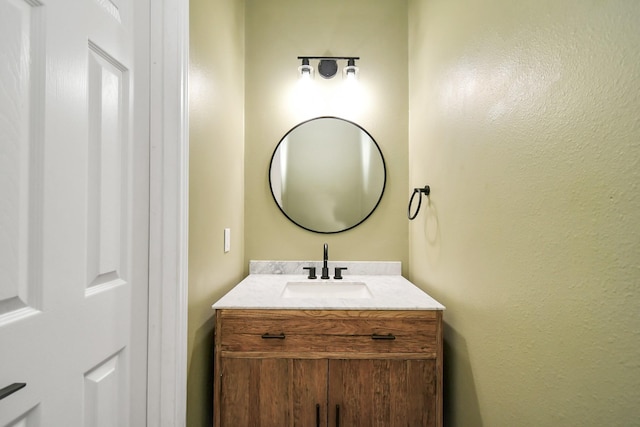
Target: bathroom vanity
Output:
[(290, 353)]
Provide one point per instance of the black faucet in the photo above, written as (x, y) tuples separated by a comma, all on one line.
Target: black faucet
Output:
[(325, 258)]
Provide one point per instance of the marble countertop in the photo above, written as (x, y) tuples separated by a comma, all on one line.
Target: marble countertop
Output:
[(389, 290)]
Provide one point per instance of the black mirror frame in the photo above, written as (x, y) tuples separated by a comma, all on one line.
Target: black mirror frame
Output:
[(384, 183)]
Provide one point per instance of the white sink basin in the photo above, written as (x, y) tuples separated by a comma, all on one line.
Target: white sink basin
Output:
[(337, 289)]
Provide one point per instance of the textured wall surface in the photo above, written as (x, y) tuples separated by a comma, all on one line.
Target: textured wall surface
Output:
[(524, 119), (279, 31), (216, 93)]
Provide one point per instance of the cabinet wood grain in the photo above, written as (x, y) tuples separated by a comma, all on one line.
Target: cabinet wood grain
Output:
[(383, 393), (286, 368)]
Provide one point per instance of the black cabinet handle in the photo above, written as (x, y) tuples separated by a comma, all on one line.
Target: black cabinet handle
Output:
[(383, 337), (10, 389), (317, 415), (337, 415), (269, 336)]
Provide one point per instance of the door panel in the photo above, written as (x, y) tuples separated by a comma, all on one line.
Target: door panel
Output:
[(103, 398), (382, 393), (308, 390), (272, 392), (73, 213), (21, 151), (107, 181), (29, 419), (255, 392)]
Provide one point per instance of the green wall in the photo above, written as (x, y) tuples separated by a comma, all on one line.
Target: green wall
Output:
[(524, 119), (216, 109), (277, 32)]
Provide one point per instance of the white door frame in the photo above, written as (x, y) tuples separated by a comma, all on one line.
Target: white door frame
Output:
[(168, 216)]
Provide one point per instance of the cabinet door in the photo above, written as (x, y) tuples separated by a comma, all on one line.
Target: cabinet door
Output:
[(382, 393), (273, 392)]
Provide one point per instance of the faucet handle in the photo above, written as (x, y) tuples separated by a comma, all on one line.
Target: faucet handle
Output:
[(338, 274), (312, 272)]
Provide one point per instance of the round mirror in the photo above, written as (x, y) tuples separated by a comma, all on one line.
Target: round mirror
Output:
[(327, 175)]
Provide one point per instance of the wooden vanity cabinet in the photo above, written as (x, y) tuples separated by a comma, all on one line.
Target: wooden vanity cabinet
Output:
[(271, 392), (330, 368)]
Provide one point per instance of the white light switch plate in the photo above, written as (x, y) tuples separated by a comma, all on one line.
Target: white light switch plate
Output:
[(227, 239)]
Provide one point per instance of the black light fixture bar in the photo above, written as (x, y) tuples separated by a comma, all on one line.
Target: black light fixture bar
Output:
[(339, 58), (328, 65)]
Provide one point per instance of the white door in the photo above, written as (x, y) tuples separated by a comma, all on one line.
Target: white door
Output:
[(73, 212)]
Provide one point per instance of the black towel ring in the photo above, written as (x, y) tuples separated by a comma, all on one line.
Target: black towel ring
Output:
[(419, 191)]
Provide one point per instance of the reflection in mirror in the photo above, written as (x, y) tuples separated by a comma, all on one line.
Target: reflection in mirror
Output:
[(327, 175)]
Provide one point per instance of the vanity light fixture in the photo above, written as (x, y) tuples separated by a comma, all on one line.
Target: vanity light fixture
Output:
[(305, 69), (328, 66), (350, 71)]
